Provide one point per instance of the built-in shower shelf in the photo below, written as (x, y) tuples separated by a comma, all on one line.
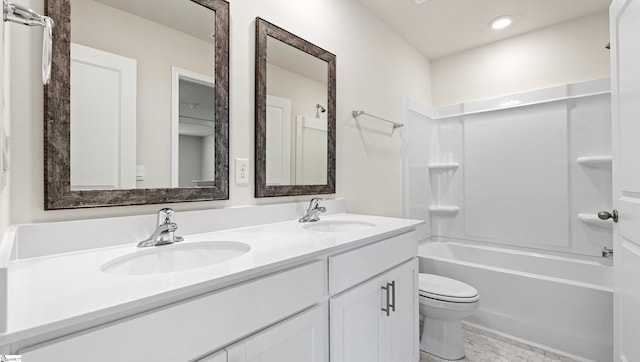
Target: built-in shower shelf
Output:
[(444, 209), (444, 166), (595, 161), (593, 219)]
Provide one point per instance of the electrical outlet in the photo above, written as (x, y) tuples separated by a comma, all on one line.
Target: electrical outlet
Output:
[(242, 171)]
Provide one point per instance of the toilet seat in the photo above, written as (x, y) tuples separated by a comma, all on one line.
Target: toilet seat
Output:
[(446, 289)]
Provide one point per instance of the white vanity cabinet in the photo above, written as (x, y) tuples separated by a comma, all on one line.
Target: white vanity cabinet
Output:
[(188, 330), (354, 303), (377, 320)]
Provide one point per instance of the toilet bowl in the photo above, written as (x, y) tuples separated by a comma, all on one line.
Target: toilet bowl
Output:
[(444, 302)]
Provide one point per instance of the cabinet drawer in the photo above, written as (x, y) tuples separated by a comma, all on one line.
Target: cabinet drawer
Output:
[(355, 266), (187, 330)]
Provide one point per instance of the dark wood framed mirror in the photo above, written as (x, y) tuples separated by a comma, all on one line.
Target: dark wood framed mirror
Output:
[(167, 140), (295, 120)]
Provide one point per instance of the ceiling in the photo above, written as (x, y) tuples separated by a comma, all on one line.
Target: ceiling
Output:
[(184, 16), (442, 27)]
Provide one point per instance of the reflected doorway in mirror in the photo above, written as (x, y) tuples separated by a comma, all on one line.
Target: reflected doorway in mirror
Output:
[(192, 129)]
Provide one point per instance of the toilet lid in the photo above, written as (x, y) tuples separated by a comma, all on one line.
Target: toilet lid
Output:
[(446, 289)]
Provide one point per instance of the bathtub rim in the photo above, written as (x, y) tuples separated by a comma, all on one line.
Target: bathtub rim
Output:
[(590, 259), (603, 288)]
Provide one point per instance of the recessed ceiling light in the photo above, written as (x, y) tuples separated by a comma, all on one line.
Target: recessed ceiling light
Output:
[(501, 22), (420, 1)]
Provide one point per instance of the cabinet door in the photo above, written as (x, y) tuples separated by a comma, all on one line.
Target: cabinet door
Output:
[(355, 323), (362, 331), (220, 356), (299, 338), (401, 328)]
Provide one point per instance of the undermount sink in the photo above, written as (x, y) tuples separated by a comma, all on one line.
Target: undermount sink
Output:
[(338, 226), (175, 258)]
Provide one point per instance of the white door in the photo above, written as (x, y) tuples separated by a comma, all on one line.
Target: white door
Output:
[(103, 120), (402, 327), (311, 151), (625, 48), (278, 141), (299, 338)]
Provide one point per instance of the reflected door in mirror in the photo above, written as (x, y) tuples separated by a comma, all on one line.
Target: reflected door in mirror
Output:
[(103, 138), (278, 141), (311, 151)]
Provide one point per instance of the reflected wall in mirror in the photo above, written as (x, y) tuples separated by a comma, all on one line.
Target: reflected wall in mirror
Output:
[(137, 109), (295, 115)]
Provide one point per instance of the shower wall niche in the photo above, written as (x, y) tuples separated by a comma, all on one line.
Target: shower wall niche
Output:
[(528, 170)]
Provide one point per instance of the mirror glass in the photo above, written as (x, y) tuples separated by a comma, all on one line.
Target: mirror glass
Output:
[(297, 84), (295, 114), (137, 108), (142, 94)]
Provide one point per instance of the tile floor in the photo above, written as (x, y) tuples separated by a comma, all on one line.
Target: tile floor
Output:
[(483, 346)]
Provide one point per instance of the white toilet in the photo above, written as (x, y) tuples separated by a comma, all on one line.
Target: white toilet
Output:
[(444, 302)]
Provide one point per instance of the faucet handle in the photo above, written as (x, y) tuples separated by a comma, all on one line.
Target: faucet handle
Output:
[(165, 216), (315, 201)]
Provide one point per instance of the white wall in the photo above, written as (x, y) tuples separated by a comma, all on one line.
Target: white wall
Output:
[(375, 68), (565, 53)]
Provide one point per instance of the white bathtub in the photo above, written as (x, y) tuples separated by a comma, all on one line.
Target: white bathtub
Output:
[(558, 303)]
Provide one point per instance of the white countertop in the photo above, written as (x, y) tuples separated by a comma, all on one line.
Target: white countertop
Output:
[(69, 291)]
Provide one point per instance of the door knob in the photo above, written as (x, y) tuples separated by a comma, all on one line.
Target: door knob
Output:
[(604, 215)]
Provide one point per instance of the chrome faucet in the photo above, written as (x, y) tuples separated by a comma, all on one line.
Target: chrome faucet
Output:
[(165, 229), (313, 211)]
